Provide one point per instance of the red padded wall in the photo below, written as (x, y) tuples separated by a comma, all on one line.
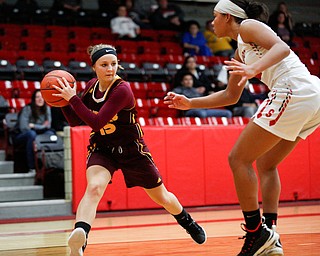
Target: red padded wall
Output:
[(219, 187), (194, 164), (185, 166), (314, 163)]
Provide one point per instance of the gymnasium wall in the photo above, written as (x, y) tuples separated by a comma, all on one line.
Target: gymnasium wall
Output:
[(193, 163)]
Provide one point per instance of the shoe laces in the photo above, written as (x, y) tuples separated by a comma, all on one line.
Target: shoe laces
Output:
[(249, 237), (193, 227)]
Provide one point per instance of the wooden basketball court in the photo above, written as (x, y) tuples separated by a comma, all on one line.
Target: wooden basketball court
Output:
[(155, 233)]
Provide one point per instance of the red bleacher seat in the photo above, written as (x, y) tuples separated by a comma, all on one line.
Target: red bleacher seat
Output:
[(171, 48), (79, 56), (143, 107), (313, 66), (128, 57), (81, 85), (159, 109), (168, 35), (16, 104), (173, 58), (79, 45), (218, 121), (149, 34), (60, 32), (157, 89), (24, 88), (149, 47), (80, 33), (63, 57), (32, 44), (161, 121), (139, 89), (33, 31), (239, 120), (9, 55), (186, 121), (36, 56), (10, 43), (11, 29), (100, 33), (6, 88), (126, 46), (149, 57), (57, 44), (216, 60)]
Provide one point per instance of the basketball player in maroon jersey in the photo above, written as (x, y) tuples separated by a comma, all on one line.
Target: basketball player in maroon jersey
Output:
[(116, 142)]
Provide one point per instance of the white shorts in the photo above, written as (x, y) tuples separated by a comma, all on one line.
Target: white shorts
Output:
[(292, 108)]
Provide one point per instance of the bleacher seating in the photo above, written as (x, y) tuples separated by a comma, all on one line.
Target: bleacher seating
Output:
[(149, 64)]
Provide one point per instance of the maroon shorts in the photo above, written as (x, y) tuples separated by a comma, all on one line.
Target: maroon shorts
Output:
[(134, 160)]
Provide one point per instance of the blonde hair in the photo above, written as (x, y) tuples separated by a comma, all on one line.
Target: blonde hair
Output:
[(94, 48)]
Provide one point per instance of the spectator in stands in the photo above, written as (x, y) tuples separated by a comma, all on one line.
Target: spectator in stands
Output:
[(123, 26), (34, 118), (246, 106), (201, 81), (282, 29), (273, 19), (219, 46), (186, 88), (194, 42), (168, 16), (69, 6), (145, 8)]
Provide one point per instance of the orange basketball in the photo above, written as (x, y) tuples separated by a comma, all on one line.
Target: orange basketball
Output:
[(47, 90)]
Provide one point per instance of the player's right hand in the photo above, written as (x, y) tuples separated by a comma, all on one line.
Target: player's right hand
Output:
[(178, 101)]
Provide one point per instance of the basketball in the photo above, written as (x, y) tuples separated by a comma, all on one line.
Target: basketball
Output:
[(47, 89)]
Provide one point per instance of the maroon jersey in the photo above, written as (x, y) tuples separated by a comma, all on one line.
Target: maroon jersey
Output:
[(111, 114)]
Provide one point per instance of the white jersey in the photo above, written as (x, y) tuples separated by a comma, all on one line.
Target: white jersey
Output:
[(292, 108), (289, 66)]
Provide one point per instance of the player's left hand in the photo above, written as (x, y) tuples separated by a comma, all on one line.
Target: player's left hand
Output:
[(239, 68), (66, 91)]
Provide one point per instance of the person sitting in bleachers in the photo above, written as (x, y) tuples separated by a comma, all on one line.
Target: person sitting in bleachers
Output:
[(123, 26), (220, 46), (186, 88), (144, 9), (168, 17), (201, 81), (194, 42), (283, 29), (34, 118)]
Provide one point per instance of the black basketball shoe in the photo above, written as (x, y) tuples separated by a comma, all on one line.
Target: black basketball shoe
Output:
[(197, 233), (258, 243)]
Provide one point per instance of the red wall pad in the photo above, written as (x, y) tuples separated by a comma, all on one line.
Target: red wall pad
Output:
[(185, 165), (194, 164), (314, 161), (219, 188)]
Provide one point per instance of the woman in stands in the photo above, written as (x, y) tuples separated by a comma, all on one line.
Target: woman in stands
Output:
[(116, 142), (290, 113), (34, 118)]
